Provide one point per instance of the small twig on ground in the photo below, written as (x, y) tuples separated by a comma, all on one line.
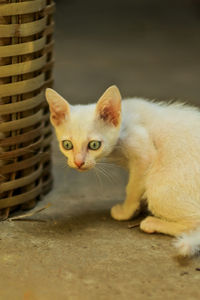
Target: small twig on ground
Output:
[(30, 214), (130, 226)]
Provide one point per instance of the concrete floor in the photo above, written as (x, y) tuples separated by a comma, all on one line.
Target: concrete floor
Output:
[(73, 249)]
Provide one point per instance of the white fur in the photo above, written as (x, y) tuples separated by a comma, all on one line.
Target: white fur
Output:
[(159, 144), (188, 244)]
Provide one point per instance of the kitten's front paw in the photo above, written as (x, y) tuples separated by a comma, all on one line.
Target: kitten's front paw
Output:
[(148, 225), (118, 212)]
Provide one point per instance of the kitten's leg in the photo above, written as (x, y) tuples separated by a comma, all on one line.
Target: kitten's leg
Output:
[(134, 192), (154, 224)]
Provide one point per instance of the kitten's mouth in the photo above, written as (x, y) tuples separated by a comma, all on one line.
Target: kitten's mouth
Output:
[(85, 168)]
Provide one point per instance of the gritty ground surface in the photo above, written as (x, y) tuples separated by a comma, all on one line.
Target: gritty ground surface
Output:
[(74, 250)]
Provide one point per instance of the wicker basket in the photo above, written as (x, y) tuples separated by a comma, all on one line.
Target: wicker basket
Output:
[(26, 43)]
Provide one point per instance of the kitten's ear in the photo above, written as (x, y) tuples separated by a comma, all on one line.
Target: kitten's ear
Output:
[(109, 106), (58, 106)]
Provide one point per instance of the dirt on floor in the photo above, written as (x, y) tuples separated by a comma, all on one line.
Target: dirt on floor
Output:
[(73, 249)]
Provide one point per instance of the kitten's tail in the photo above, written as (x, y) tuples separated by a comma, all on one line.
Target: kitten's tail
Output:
[(188, 244)]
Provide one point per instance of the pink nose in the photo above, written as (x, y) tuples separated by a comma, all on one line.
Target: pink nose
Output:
[(79, 164)]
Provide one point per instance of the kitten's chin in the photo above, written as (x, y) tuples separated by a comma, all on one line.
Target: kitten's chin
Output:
[(82, 170)]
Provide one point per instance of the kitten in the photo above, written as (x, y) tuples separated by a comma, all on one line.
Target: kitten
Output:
[(158, 143)]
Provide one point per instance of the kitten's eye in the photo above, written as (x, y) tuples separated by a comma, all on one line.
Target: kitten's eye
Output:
[(94, 145), (67, 145)]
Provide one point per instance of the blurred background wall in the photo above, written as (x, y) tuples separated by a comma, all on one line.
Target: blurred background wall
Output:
[(149, 48)]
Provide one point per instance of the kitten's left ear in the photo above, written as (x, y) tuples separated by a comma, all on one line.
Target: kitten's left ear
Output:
[(109, 106), (58, 106)]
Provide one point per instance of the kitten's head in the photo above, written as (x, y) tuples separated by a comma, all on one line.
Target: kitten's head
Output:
[(86, 133)]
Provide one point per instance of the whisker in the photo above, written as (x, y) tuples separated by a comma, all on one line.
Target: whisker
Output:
[(106, 174), (114, 177), (98, 178), (108, 164), (64, 166)]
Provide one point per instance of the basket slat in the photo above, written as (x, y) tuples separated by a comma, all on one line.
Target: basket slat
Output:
[(22, 106), (21, 123), (23, 164), (24, 67), (24, 137), (22, 151), (22, 30), (14, 184), (24, 48), (13, 201), (22, 87), (22, 8)]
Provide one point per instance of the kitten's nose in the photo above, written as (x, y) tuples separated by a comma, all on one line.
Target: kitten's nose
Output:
[(79, 163)]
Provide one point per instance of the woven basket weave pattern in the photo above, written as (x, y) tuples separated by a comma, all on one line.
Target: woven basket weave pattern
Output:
[(26, 61)]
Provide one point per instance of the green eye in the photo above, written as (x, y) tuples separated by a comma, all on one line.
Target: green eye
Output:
[(67, 145), (94, 145)]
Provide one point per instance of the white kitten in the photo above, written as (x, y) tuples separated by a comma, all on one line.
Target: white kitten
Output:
[(158, 143)]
